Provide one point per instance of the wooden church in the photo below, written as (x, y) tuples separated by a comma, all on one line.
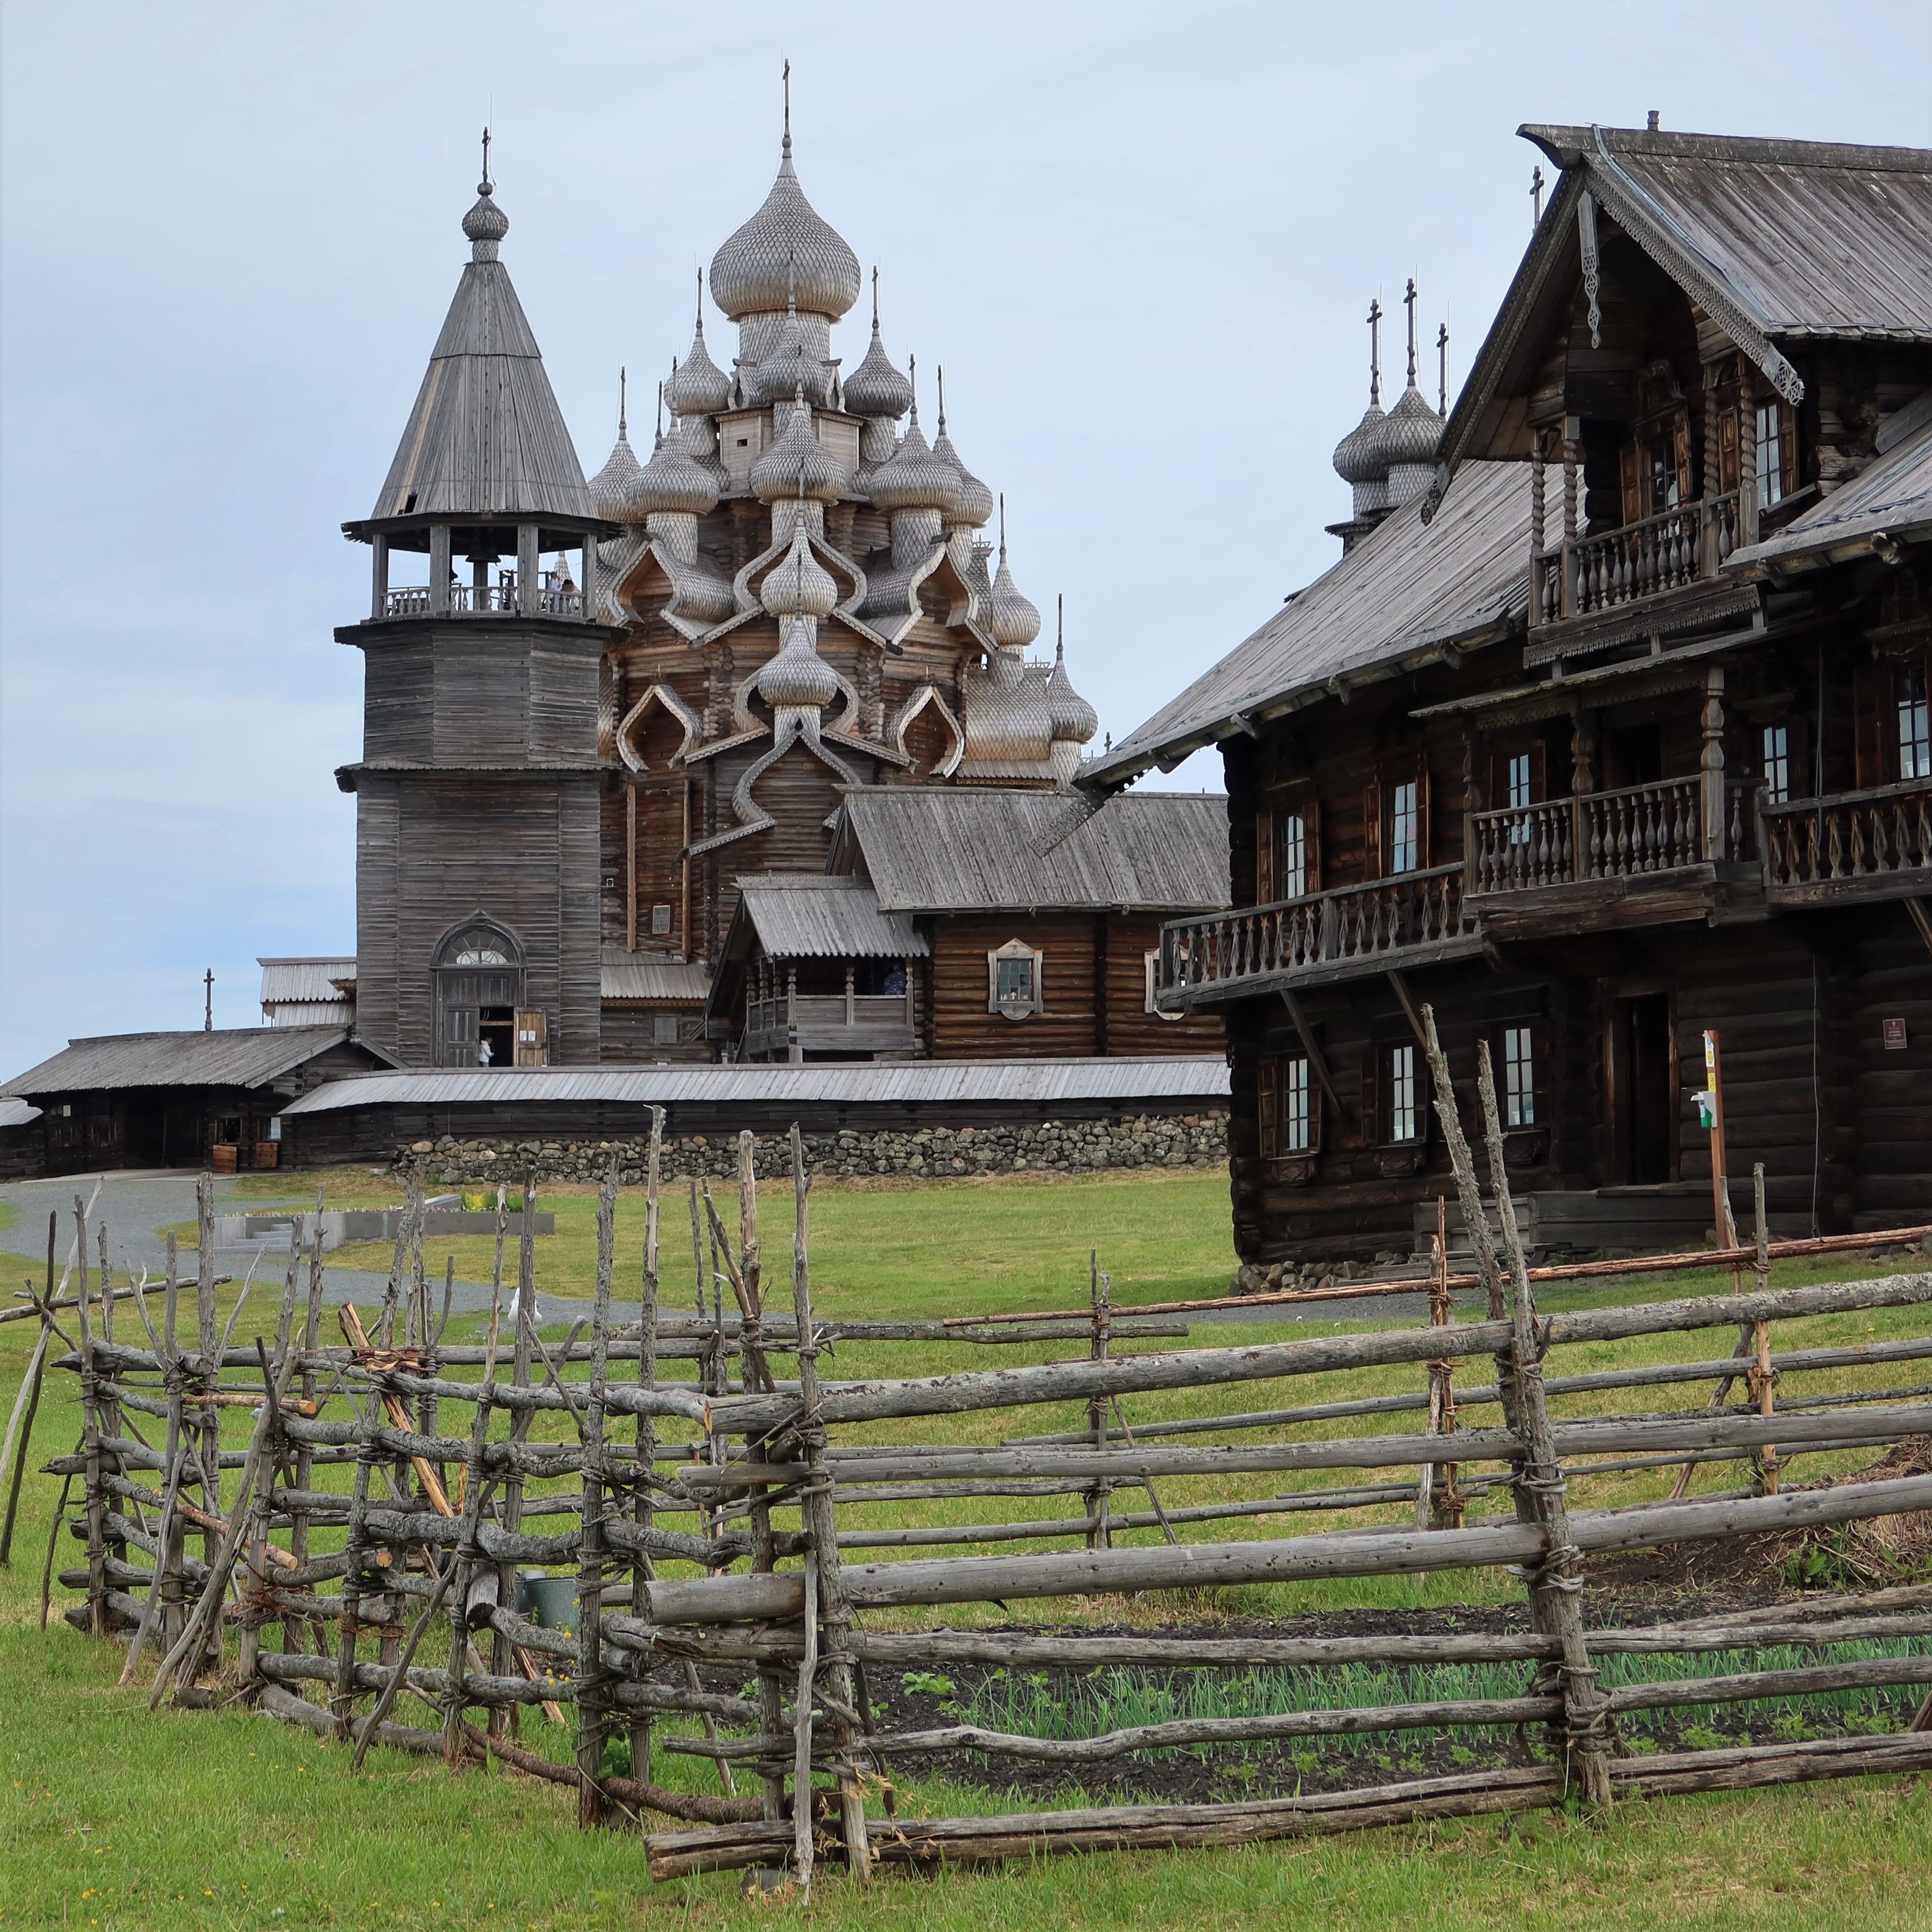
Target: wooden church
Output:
[(1607, 734), (593, 708)]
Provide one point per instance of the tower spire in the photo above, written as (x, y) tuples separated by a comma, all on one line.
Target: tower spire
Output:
[(1002, 526), (1060, 627), (1442, 369), (623, 397), (942, 398), (912, 382), (1408, 303), (786, 83), (700, 300), (1536, 198), (483, 186), (875, 299), (1375, 353)]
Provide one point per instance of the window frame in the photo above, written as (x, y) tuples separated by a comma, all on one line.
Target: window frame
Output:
[(1277, 1083), (1399, 1065), (1014, 1007), (1519, 1072), (1912, 722)]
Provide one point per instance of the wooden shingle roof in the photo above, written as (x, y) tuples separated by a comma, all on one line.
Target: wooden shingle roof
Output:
[(1407, 589), (930, 849), (232, 1057)]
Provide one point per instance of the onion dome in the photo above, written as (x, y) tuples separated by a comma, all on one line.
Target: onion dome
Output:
[(800, 585), (1075, 721), (975, 506), (611, 487), (673, 479), (697, 386), (790, 369), (1010, 619), (752, 272), (798, 676), (486, 224), (1358, 458), (912, 478), (1410, 432), (797, 464), (875, 388)]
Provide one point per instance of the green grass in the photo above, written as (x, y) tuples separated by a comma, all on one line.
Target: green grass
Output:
[(111, 1817)]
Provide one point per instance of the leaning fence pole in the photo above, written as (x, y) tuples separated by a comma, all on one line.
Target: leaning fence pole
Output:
[(645, 1509), (592, 1719), (1762, 1379), (1467, 1192), (468, 1559), (1554, 1584), (822, 1526)]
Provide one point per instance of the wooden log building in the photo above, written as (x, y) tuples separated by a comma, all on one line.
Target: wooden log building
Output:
[(1608, 729), (974, 924)]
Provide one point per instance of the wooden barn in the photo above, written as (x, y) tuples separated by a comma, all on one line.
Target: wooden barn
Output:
[(180, 1099), (1608, 731), (964, 924)]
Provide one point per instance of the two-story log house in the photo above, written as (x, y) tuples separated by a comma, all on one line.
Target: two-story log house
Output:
[(1610, 727)]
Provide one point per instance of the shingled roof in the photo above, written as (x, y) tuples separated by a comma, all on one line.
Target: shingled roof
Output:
[(232, 1057), (1779, 241), (1391, 604), (962, 850)]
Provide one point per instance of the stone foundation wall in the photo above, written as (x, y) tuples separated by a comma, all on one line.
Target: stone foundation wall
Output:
[(929, 1154)]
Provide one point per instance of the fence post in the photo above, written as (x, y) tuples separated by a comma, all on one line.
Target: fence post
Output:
[(1541, 1487)]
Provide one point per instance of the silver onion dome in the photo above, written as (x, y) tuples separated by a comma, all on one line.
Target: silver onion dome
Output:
[(801, 585), (697, 386), (673, 479), (751, 273), (1410, 432), (1013, 619), (798, 676), (613, 486), (486, 224), (975, 504), (790, 369), (797, 464), (876, 388), (1358, 459), (1075, 721), (912, 478)]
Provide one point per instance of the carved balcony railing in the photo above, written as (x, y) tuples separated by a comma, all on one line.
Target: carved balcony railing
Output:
[(1669, 551), (1378, 922), (1605, 835), (829, 1023), (1850, 844), (465, 600)]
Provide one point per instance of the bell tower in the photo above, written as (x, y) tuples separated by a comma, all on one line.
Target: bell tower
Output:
[(477, 795)]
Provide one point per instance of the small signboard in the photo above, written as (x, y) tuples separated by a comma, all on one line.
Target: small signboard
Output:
[(1894, 1035)]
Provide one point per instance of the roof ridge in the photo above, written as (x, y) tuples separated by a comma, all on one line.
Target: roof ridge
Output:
[(1559, 139)]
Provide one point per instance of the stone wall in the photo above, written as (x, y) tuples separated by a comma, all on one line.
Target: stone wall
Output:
[(929, 1154)]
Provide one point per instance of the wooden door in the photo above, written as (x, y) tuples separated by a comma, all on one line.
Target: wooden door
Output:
[(532, 1037)]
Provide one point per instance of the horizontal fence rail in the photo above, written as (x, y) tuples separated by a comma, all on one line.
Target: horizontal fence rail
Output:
[(349, 1554)]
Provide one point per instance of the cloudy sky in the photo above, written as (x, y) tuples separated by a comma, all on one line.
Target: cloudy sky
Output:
[(1140, 237)]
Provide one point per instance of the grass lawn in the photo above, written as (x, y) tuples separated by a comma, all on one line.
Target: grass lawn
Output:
[(109, 1817)]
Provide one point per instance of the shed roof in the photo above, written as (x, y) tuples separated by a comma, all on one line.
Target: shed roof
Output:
[(1405, 590), (1892, 497), (231, 1056), (927, 849), (18, 1113), (809, 915), (637, 976), (1042, 1082), (310, 978)]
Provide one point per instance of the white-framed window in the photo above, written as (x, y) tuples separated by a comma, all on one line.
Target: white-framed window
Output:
[(1405, 827), (664, 1029), (1297, 1120), (1294, 880), (1518, 1078), (1770, 455), (1014, 975), (660, 921), (1518, 781), (1152, 960), (1914, 726), (1777, 762), (1405, 1114)]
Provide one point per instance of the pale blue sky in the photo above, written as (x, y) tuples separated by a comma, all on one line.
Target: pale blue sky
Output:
[(1140, 237)]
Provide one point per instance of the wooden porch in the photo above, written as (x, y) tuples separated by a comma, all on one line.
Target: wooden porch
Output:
[(1415, 918), (789, 1026), (1850, 845)]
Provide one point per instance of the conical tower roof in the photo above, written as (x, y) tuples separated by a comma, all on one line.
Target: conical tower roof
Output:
[(486, 438)]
